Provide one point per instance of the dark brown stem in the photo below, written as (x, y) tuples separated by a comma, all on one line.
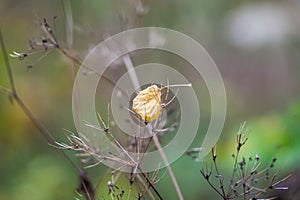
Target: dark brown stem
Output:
[(150, 184), (206, 176), (221, 180)]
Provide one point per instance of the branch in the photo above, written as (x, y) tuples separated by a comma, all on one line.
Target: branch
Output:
[(85, 182)]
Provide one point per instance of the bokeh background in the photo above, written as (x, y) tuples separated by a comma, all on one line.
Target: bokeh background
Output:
[(255, 44)]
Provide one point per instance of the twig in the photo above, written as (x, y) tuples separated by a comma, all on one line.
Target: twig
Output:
[(240, 143), (220, 178), (206, 175), (151, 184), (89, 192), (243, 179)]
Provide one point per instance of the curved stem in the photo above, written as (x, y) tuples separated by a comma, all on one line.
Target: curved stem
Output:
[(85, 182)]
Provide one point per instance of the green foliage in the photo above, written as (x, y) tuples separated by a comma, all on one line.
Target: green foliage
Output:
[(277, 134)]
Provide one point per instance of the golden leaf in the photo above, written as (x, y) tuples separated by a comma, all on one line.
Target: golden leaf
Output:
[(147, 104)]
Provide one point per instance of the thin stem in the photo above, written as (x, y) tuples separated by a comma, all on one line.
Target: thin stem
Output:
[(78, 62), (240, 143), (244, 183), (129, 66), (85, 183), (146, 187), (169, 169), (215, 189), (177, 85), (150, 184), (30, 115), (214, 155), (206, 175), (232, 175)]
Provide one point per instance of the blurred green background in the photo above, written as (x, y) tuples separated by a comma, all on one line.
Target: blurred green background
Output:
[(255, 44)]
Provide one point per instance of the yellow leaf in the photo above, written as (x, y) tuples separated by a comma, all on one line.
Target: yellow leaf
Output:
[(147, 104)]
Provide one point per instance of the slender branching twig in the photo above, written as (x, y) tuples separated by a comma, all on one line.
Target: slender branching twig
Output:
[(85, 184), (246, 174)]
